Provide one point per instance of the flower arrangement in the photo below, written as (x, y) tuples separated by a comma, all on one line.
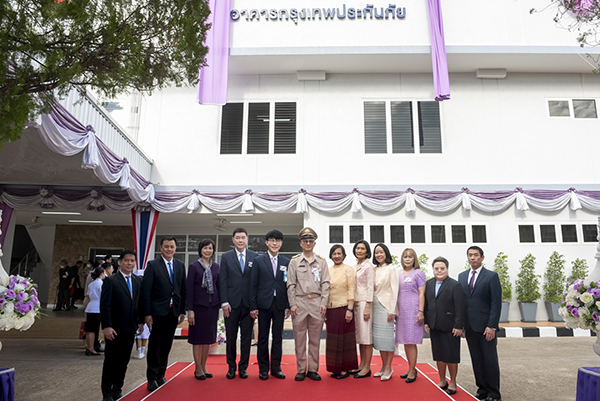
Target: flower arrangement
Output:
[(19, 303), (580, 307), (220, 331)]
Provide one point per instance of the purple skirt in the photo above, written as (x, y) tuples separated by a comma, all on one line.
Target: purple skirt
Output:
[(205, 329)]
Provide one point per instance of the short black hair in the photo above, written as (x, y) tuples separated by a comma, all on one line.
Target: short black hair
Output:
[(475, 248), (239, 230), (275, 234), (366, 244), (441, 259), (164, 239), (64, 261), (388, 255), (106, 265), (79, 262), (334, 248), (125, 253), (206, 242)]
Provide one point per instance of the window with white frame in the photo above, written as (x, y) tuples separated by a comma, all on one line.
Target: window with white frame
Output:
[(402, 126), (258, 128), (576, 108)]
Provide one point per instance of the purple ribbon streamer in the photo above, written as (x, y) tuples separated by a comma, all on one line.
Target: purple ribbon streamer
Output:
[(6, 214), (441, 82), (212, 88)]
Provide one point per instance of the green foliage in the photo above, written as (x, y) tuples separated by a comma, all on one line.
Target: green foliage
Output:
[(424, 264), (501, 267), (554, 278), (49, 47), (527, 285), (579, 270)]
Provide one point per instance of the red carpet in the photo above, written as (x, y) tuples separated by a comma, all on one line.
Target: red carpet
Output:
[(181, 385)]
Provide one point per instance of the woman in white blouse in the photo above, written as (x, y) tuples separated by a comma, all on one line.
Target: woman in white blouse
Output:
[(92, 323), (384, 309)]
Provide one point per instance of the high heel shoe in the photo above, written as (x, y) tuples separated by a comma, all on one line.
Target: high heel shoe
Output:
[(409, 380), (388, 377)]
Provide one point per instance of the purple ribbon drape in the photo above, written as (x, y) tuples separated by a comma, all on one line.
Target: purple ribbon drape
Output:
[(441, 82), (6, 214), (212, 88)]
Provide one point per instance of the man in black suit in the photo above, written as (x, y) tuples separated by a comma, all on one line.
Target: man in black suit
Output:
[(234, 276), (162, 303), (483, 301), (269, 302), (64, 286), (444, 321), (120, 320)]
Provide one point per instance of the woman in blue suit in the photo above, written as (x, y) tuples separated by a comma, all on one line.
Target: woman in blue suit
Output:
[(203, 305)]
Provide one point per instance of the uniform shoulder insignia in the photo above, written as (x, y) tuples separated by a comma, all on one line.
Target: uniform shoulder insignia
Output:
[(295, 256), (319, 256)]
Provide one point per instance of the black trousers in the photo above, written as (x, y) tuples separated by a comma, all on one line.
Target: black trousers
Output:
[(484, 357), (239, 317), (116, 358), (63, 299), (265, 317), (159, 345)]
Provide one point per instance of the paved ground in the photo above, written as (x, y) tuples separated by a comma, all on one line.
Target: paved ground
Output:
[(56, 368)]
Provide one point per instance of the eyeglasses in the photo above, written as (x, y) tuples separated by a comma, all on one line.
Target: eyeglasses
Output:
[(308, 241), (274, 241)]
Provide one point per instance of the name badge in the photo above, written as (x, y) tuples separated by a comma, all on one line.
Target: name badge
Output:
[(408, 279)]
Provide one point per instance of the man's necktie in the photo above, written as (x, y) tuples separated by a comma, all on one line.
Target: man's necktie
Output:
[(242, 261), (472, 281), (274, 263), (170, 271), (129, 286)]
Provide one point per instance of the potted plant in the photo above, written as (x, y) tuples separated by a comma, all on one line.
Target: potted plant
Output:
[(554, 285), (579, 271), (527, 287), (501, 267)]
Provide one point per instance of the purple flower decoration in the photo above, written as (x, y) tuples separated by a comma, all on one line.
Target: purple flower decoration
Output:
[(576, 286), (28, 307), (34, 299), (21, 296), (595, 317), (10, 294), (595, 292), (569, 307), (575, 312), (2, 303)]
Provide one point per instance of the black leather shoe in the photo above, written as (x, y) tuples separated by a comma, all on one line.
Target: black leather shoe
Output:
[(231, 373), (358, 376), (313, 376), (279, 375), (404, 376), (300, 377), (117, 395), (160, 381), (243, 374), (450, 391), (90, 353), (208, 375), (263, 376), (492, 399), (200, 377), (353, 372), (481, 396), (409, 380), (152, 385), (109, 398), (445, 386), (342, 375)]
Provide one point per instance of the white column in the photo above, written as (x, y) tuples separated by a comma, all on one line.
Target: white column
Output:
[(595, 273)]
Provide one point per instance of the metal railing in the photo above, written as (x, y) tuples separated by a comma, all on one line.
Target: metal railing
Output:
[(88, 111), (26, 264)]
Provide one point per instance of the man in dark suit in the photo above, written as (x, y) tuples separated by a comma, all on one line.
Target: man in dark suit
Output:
[(234, 276), (162, 302), (120, 320), (269, 302), (483, 301), (444, 321)]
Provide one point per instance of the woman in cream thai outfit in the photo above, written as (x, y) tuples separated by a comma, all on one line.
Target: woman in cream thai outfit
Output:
[(363, 306), (384, 309)]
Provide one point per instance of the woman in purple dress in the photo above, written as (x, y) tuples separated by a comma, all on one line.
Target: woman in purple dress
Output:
[(203, 305), (411, 304)]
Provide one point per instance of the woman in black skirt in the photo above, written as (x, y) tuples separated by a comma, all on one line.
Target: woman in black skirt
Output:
[(444, 320), (203, 305)]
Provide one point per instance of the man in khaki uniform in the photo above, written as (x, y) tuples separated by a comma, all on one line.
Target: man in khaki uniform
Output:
[(308, 293)]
